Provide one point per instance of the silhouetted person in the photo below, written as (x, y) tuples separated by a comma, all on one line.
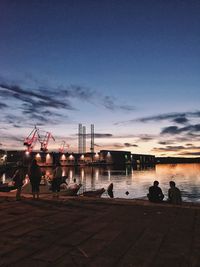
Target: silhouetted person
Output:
[(35, 176), (110, 190), (18, 179), (174, 194), (155, 193), (57, 180)]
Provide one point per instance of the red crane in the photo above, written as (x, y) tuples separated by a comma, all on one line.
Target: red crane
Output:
[(31, 140), (62, 147), (45, 141)]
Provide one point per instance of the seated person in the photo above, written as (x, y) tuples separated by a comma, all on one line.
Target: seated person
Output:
[(174, 194), (155, 193)]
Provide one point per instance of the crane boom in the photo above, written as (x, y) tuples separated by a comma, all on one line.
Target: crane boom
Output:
[(45, 141), (31, 139)]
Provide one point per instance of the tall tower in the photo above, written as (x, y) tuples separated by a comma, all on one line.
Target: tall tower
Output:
[(80, 138), (84, 139), (92, 139)]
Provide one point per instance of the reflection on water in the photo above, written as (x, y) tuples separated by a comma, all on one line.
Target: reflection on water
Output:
[(136, 182)]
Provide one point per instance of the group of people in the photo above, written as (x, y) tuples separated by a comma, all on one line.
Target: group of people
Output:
[(35, 176), (156, 195)]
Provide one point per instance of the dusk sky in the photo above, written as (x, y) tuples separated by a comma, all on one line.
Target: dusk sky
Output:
[(132, 68)]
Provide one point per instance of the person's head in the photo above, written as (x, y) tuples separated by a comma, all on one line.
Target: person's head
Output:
[(172, 184), (155, 183)]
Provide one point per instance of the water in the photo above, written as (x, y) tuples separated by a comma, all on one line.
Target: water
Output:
[(136, 182)]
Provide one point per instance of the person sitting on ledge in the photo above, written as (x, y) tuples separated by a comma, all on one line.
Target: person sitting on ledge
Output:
[(174, 194), (155, 193)]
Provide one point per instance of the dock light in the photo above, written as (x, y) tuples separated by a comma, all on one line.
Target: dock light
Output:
[(71, 157), (96, 155), (63, 157), (38, 156), (27, 153), (108, 154), (82, 157), (48, 156)]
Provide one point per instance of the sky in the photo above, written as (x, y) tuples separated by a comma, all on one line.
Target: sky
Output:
[(131, 68)]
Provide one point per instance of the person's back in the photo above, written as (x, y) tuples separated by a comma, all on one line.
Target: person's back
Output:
[(35, 173), (35, 176), (155, 193), (174, 194), (18, 180)]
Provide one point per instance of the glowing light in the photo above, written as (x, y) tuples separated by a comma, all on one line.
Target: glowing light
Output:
[(109, 175), (70, 175), (63, 157), (96, 155), (71, 157), (38, 156), (48, 156), (108, 154), (27, 153), (3, 178), (82, 157), (82, 174)]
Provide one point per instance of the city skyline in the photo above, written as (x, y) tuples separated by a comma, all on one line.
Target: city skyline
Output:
[(131, 68)]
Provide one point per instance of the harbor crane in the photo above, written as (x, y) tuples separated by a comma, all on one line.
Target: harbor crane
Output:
[(63, 146), (31, 139), (44, 143)]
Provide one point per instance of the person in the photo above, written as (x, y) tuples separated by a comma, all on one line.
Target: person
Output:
[(155, 193), (18, 179), (57, 180), (35, 176), (110, 190), (174, 194)]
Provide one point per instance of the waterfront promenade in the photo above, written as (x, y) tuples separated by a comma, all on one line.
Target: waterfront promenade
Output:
[(79, 231)]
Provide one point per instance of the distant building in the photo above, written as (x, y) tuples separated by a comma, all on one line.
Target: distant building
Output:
[(108, 157), (115, 157)]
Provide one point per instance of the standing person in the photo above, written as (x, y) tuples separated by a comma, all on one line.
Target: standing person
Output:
[(35, 176), (18, 179), (110, 190), (57, 180), (155, 193), (174, 194)]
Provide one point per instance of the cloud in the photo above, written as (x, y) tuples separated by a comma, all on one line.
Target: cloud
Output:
[(168, 148), (45, 105), (181, 120), (3, 105), (190, 154), (110, 103), (130, 145), (171, 130), (175, 148), (100, 135), (146, 138), (176, 117), (165, 142)]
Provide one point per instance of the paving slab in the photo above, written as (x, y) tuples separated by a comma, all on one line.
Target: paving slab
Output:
[(97, 232)]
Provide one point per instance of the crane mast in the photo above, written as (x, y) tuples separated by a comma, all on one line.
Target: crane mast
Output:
[(31, 139), (45, 141)]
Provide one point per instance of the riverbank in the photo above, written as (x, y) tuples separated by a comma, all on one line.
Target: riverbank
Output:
[(75, 231)]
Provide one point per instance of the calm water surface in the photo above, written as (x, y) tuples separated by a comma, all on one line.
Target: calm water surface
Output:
[(137, 182)]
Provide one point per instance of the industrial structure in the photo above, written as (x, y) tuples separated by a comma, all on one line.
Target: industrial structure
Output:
[(82, 157)]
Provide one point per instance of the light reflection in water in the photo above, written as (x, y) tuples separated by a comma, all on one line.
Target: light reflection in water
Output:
[(136, 182)]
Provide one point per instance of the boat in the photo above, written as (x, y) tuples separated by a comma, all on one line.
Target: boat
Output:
[(94, 193), (45, 188), (6, 187)]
